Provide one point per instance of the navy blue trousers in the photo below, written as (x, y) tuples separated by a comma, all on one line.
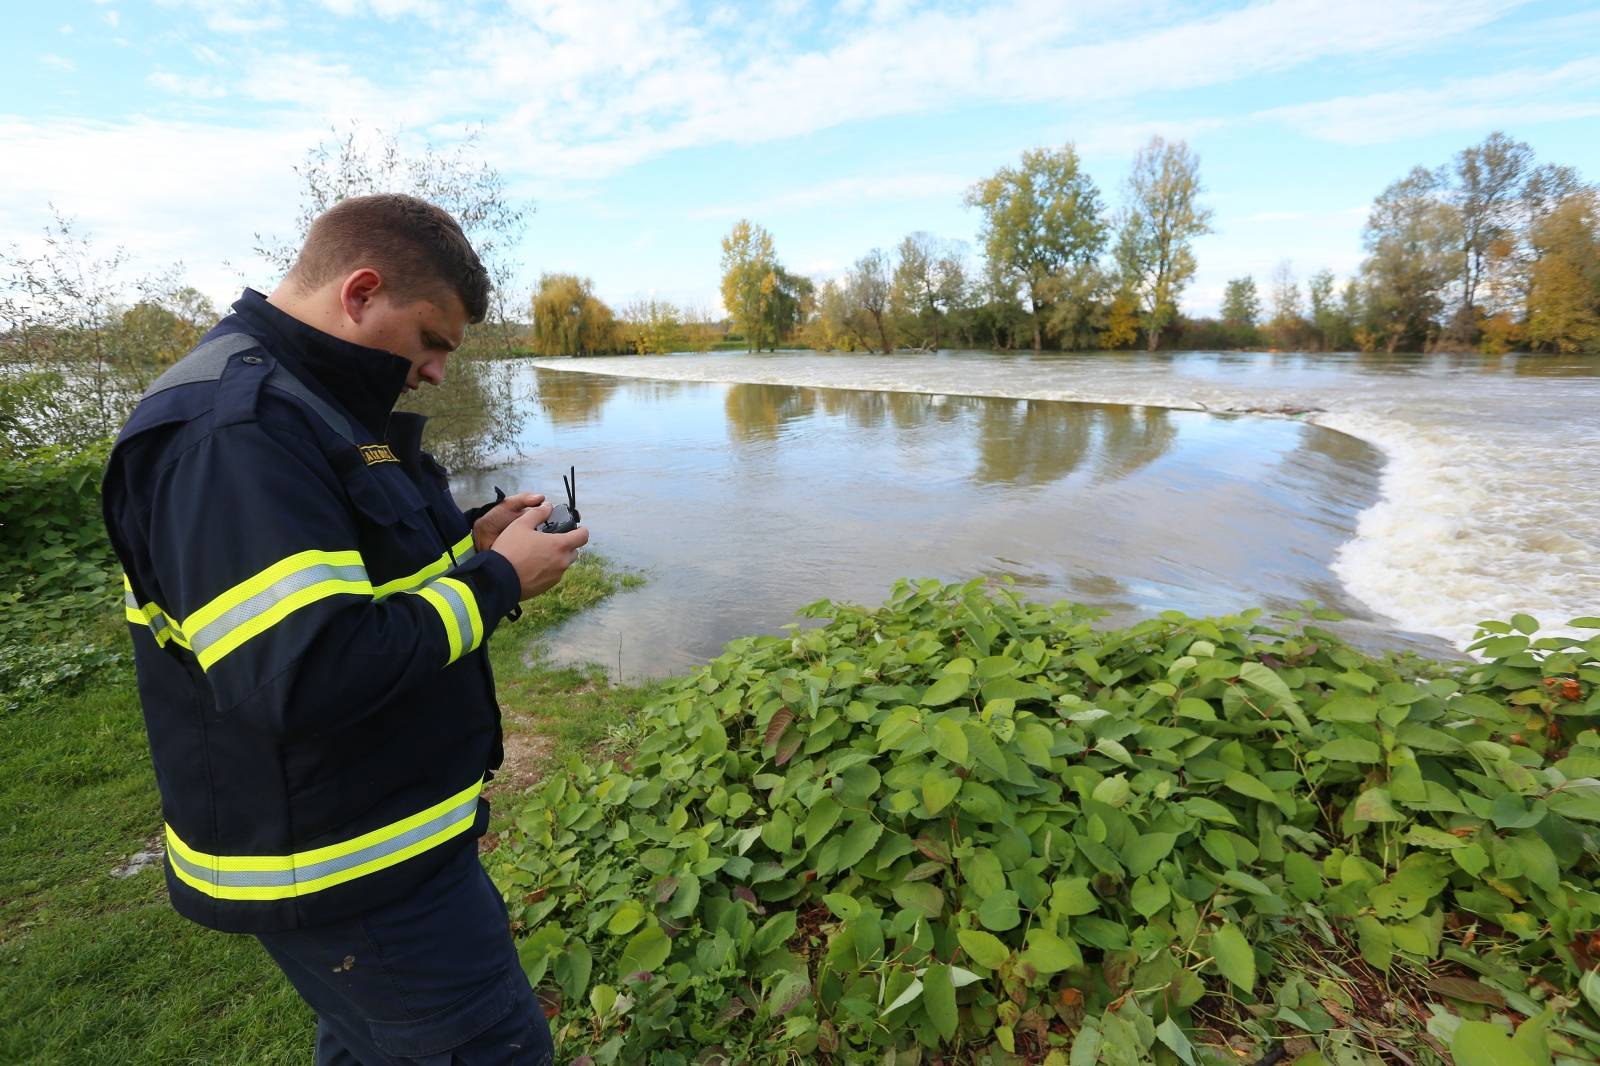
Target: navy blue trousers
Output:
[(429, 980)]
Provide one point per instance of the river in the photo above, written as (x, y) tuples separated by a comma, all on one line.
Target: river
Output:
[(1415, 494)]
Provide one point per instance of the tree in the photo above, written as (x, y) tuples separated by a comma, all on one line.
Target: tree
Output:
[(1564, 295), (568, 319), (791, 299), (868, 284), (476, 411), (652, 327), (1414, 246), (928, 286), (1241, 310), (1328, 316), (1485, 192), (1287, 322), (749, 279), (1078, 307), (1162, 219), (1040, 220)]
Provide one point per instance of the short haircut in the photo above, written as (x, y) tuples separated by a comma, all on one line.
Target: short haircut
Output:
[(417, 247)]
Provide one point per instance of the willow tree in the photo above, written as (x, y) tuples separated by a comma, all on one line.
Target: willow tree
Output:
[(749, 279), (1041, 220), (1155, 246), (569, 319)]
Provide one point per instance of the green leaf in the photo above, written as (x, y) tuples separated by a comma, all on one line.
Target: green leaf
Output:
[(911, 992), (921, 897), (858, 840), (985, 949), (1374, 805), (1508, 811), (1200, 710), (947, 688), (1377, 946), (999, 911), (950, 741), (1525, 623), (938, 789), (982, 870), (1246, 785), (647, 950), (778, 832), (1350, 749), (1048, 953), (625, 918), (1234, 957), (1112, 791), (1172, 1035), (1147, 849), (1263, 678), (939, 1000), (1486, 1044), (1148, 896), (844, 907)]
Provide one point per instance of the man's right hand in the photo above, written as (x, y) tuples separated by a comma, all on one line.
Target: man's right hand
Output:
[(539, 558)]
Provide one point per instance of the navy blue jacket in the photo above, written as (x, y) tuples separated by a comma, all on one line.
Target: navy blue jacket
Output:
[(309, 625)]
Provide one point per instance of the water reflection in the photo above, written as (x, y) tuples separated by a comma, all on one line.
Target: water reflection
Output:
[(575, 399), (759, 412)]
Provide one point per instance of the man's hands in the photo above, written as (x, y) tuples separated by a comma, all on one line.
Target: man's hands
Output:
[(539, 558), (501, 515)]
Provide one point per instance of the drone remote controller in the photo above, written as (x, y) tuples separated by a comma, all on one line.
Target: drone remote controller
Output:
[(564, 517)]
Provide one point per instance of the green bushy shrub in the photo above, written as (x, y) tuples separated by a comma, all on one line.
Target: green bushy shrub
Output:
[(966, 828), (58, 574)]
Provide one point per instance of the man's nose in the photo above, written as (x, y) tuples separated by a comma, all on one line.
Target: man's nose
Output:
[(433, 373)]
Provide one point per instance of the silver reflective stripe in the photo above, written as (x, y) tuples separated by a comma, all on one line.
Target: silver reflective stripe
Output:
[(270, 596), (131, 601), (458, 607), (311, 872), (464, 556)]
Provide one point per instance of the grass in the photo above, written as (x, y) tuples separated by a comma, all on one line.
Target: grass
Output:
[(95, 968)]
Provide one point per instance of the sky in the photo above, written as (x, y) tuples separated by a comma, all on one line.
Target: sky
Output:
[(638, 133)]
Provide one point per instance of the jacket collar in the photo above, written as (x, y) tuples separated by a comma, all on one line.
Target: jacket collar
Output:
[(365, 381)]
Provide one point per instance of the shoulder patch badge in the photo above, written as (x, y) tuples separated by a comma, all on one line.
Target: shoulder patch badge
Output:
[(377, 453)]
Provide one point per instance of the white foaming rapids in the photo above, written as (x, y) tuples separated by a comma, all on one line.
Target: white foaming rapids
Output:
[(1488, 502)]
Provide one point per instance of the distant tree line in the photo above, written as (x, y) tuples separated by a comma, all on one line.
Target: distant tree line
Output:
[(1489, 251)]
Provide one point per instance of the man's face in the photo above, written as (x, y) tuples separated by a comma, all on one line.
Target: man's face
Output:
[(423, 332)]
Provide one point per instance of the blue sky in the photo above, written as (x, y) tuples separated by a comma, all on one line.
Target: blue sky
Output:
[(641, 131)]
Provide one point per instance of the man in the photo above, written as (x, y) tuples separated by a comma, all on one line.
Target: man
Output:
[(310, 611)]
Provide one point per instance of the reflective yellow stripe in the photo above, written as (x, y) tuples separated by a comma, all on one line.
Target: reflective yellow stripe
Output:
[(150, 617), (474, 618), (258, 603), (447, 615), (269, 877), (265, 579), (460, 552)]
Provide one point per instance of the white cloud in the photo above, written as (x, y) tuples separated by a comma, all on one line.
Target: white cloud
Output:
[(1519, 97), (182, 191), (55, 62), (232, 16), (182, 85), (113, 18), (844, 192)]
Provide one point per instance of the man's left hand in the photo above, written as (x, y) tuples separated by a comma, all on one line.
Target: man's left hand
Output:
[(501, 515)]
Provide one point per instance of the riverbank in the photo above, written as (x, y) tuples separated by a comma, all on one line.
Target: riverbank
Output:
[(95, 966)]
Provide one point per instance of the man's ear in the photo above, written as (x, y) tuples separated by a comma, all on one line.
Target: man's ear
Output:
[(358, 292)]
